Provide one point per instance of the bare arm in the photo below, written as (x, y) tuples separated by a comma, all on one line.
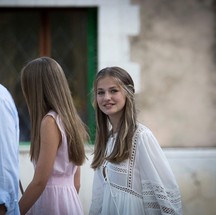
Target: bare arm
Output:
[(50, 140), (77, 179)]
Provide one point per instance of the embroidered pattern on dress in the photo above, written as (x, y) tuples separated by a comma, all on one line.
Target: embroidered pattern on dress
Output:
[(131, 161), (127, 190), (154, 193), (118, 169)]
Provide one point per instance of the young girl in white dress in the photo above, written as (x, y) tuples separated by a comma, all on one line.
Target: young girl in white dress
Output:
[(132, 175)]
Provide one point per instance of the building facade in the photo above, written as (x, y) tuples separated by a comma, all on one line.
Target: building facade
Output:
[(168, 47)]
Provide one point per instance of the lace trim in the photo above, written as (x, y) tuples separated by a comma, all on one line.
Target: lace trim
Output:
[(132, 159), (118, 169), (157, 198), (127, 190)]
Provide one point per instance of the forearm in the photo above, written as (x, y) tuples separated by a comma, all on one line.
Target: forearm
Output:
[(30, 196)]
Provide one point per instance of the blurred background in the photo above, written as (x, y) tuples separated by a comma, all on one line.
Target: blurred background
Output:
[(168, 47)]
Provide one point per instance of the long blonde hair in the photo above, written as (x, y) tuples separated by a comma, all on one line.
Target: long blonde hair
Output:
[(127, 124), (45, 88)]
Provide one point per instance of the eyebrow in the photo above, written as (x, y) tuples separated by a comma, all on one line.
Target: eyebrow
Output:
[(110, 88)]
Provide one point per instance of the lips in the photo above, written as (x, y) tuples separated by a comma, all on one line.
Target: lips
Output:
[(108, 105)]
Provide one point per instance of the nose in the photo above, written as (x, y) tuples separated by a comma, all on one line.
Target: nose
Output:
[(107, 96)]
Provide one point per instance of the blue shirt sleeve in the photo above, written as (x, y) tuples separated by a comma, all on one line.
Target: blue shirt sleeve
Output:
[(9, 152)]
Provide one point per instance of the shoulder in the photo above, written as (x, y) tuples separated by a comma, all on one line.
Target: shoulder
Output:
[(49, 129), (7, 105), (52, 119), (144, 137), (147, 146), (48, 121), (142, 130), (52, 114), (4, 92), (5, 96)]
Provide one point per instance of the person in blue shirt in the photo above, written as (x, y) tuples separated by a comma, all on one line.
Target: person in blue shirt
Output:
[(9, 154)]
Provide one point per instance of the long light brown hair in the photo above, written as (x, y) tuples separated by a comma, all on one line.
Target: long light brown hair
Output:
[(45, 88), (126, 126)]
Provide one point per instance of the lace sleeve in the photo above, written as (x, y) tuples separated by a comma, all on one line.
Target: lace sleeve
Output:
[(160, 190), (158, 200)]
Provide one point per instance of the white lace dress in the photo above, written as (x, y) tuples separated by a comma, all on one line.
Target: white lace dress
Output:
[(144, 184)]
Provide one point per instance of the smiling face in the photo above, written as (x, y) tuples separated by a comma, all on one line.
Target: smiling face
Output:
[(110, 98)]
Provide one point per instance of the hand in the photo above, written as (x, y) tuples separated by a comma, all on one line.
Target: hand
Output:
[(3, 209)]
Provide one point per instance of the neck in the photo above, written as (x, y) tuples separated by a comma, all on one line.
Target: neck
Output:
[(114, 122), (114, 127)]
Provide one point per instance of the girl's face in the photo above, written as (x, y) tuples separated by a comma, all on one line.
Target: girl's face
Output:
[(110, 98)]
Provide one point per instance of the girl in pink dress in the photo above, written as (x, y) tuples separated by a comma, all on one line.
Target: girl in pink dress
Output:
[(57, 141)]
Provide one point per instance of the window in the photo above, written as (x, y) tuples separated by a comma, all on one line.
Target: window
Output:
[(68, 35)]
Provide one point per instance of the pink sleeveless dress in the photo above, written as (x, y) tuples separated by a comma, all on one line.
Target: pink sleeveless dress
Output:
[(60, 196)]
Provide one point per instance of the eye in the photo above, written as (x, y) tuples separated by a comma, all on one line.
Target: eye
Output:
[(100, 92), (114, 91)]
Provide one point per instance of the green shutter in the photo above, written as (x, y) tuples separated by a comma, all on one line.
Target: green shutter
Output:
[(92, 66)]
